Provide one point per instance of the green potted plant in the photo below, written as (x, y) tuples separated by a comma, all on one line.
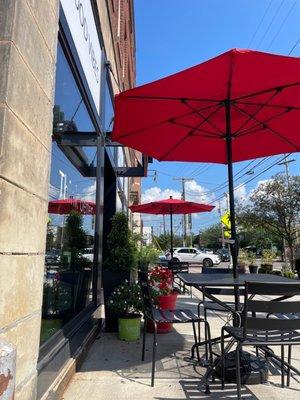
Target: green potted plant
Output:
[(267, 261), (287, 271), (126, 302), (120, 260), (242, 262), (251, 258), (147, 255)]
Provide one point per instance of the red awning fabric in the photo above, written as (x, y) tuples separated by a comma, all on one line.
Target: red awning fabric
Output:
[(68, 205), (171, 206), (182, 117)]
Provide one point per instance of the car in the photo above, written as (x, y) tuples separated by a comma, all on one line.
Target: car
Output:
[(88, 253), (223, 254), (52, 257), (192, 255)]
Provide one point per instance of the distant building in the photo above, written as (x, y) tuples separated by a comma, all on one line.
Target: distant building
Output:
[(147, 235)]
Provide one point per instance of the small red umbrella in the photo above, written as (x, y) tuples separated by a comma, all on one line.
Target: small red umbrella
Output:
[(171, 206), (240, 105), (67, 205)]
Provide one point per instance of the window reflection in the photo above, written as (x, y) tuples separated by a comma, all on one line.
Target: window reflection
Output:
[(70, 230)]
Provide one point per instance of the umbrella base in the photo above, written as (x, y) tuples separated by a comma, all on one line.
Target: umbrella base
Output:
[(254, 370)]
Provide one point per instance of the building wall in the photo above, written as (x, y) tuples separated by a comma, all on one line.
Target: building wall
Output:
[(28, 39)]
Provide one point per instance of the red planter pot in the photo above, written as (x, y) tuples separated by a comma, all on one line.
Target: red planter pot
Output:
[(165, 303)]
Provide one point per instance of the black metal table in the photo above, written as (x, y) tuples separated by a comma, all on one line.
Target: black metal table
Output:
[(219, 280), (202, 281)]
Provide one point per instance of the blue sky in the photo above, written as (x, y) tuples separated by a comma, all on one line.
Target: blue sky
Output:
[(172, 35)]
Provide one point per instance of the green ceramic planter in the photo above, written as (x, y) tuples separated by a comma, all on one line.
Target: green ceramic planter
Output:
[(129, 329)]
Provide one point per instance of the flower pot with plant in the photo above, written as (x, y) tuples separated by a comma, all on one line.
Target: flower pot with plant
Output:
[(119, 261), (267, 261), (252, 265), (126, 302), (161, 283), (242, 262)]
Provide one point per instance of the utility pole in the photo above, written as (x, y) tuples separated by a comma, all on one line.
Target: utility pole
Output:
[(184, 219), (286, 163), (164, 223)]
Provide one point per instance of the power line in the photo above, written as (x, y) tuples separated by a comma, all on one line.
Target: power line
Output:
[(256, 176), (271, 23), (282, 23), (260, 23)]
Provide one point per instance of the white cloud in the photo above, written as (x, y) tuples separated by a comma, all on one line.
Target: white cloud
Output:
[(89, 193), (155, 193)]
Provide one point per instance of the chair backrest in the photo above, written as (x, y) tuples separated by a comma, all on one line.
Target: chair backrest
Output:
[(262, 313), (146, 292), (213, 270), (177, 266), (222, 291)]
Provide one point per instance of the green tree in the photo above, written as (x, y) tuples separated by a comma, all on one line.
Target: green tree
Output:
[(210, 236), (258, 237), (75, 236), (275, 206), (163, 242), (121, 248)]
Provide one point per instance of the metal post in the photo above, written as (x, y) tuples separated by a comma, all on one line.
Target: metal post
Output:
[(98, 235), (222, 228), (231, 200), (171, 228)]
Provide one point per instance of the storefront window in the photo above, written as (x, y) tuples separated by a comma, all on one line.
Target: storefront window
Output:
[(70, 229)]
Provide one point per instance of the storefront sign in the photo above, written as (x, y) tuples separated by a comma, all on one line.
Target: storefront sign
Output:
[(80, 19)]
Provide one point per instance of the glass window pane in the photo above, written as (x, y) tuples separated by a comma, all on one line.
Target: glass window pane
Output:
[(70, 235)]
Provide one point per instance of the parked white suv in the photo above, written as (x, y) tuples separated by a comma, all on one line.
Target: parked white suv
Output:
[(194, 256)]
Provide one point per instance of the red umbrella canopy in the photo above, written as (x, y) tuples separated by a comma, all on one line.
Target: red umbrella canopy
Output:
[(183, 117), (171, 206), (68, 205)]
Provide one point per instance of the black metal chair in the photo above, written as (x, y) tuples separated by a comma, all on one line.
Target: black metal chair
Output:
[(176, 267), (266, 322), (210, 305), (152, 313)]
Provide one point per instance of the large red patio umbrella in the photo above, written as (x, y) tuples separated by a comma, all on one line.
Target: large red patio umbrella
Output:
[(171, 206), (67, 205), (240, 105)]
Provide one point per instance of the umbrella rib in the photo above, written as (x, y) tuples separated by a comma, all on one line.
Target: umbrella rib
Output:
[(188, 134), (201, 116), (172, 120), (200, 130), (280, 87), (256, 112), (253, 128), (270, 129), (267, 105)]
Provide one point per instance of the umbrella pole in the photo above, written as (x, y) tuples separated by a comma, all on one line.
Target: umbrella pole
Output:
[(171, 229), (231, 200)]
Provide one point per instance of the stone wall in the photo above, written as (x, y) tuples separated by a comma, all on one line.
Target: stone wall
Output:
[(28, 41)]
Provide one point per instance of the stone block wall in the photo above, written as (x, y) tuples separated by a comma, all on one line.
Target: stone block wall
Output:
[(28, 41)]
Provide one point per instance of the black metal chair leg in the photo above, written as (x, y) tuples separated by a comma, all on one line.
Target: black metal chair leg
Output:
[(199, 328), (154, 353), (288, 378), (206, 346), (144, 339), (282, 366), (207, 329), (196, 341), (238, 371), (222, 360)]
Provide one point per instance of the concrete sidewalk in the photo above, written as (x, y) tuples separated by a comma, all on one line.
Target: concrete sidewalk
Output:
[(113, 370)]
